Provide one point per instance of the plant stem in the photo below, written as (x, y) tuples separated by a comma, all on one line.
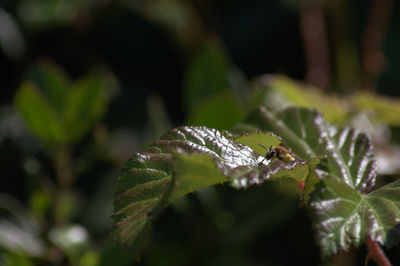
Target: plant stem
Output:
[(376, 253), (372, 38), (345, 58), (63, 163), (313, 31)]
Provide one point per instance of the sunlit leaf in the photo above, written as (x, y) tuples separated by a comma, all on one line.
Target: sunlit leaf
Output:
[(381, 108), (188, 158), (182, 161), (349, 153), (193, 172), (280, 92), (343, 217), (257, 138)]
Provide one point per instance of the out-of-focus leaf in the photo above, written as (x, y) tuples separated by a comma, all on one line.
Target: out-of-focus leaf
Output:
[(19, 240), (90, 258), (15, 259), (53, 83), (387, 159), (176, 16), (41, 117), (383, 109), (349, 153), (40, 203), (86, 103), (59, 113), (19, 230), (66, 204), (73, 240), (345, 217), (206, 75), (220, 111), (38, 15), (280, 92), (158, 115), (152, 179), (11, 38)]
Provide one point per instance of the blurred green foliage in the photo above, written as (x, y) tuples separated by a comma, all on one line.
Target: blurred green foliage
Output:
[(86, 84), (58, 112)]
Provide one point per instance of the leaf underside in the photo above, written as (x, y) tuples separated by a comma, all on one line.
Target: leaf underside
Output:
[(343, 214), (182, 161), (189, 158)]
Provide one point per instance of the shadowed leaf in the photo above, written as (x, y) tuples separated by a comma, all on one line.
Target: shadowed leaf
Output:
[(41, 117), (86, 102)]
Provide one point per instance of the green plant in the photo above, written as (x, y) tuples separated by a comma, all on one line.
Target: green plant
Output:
[(335, 163), (59, 114)]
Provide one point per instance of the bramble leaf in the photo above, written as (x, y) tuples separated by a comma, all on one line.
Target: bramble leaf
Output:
[(182, 161), (349, 153), (343, 217), (188, 158)]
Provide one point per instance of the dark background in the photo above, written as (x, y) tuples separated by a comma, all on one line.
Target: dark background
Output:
[(149, 52)]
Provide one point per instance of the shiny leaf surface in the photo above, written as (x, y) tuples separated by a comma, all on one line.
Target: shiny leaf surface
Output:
[(343, 217), (182, 161), (349, 153)]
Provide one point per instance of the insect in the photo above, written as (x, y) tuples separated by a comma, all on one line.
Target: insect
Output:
[(278, 152)]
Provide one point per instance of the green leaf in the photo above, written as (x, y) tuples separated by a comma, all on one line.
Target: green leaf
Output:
[(193, 172), (257, 138), (59, 113), (312, 179), (182, 161), (189, 158), (349, 153), (219, 111), (383, 109), (280, 92), (207, 74), (85, 105), (52, 82), (343, 217), (10, 258), (41, 117)]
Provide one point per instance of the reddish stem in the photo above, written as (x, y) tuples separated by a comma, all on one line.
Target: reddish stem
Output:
[(376, 253)]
